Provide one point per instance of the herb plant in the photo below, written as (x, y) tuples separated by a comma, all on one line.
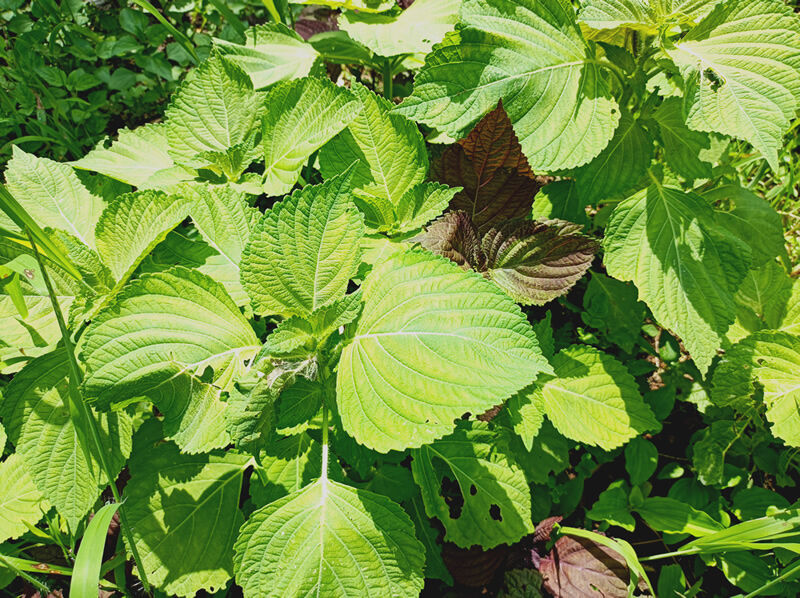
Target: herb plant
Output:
[(329, 343)]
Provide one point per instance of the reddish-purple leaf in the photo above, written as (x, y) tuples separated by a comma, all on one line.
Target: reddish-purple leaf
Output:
[(490, 166), (473, 567), (454, 237), (492, 144), (580, 567), (537, 261)]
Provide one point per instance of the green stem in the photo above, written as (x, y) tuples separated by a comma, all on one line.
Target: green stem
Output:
[(388, 83), (775, 581), (324, 471), (76, 376)]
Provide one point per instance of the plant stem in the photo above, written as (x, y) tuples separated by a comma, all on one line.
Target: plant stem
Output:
[(86, 413), (388, 91), (773, 582), (324, 471)]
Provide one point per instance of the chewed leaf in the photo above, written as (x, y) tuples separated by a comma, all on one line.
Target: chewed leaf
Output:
[(742, 72), (305, 250), (329, 540), (772, 358), (493, 495), (454, 237), (409, 372), (537, 261)]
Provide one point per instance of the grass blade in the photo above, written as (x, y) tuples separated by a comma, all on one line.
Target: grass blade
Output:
[(86, 571)]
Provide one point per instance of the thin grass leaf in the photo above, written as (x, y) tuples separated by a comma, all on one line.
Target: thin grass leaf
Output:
[(86, 572)]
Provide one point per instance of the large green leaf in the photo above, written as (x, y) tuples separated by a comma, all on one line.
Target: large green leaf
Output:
[(24, 338), (683, 148), (139, 344), (686, 266), (329, 540), (271, 53), (214, 110), (749, 212), (305, 250), (594, 399), (531, 55), (645, 15), (761, 301), (225, 220), (37, 416), (773, 359), (409, 371), (791, 319), (301, 116), (285, 466), (496, 498), (414, 30), (194, 414), (619, 166), (389, 149), (135, 158), (21, 502), (184, 513), (611, 306), (53, 195), (742, 71), (133, 224)]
